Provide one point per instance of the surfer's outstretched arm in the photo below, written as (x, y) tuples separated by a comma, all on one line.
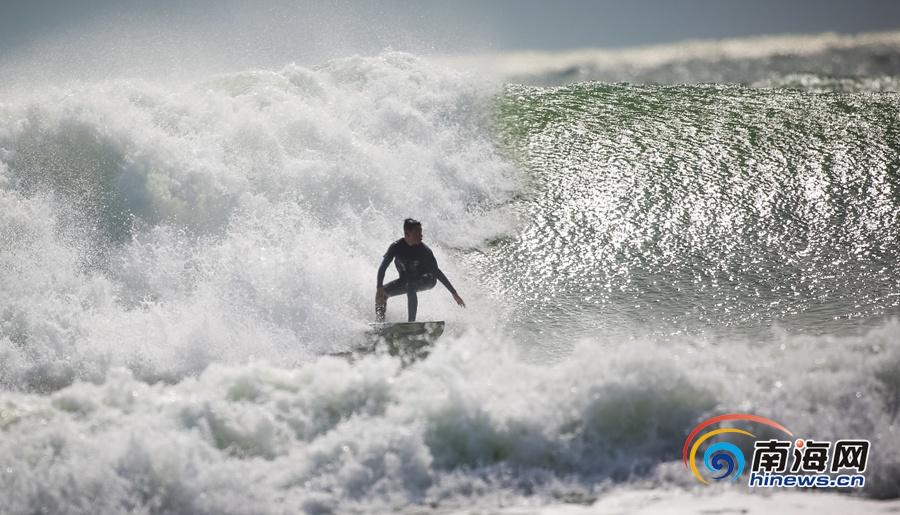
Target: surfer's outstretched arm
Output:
[(380, 296), (379, 288), (446, 282), (443, 279), (383, 268)]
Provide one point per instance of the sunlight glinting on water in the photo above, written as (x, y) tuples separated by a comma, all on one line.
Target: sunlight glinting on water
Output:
[(712, 205)]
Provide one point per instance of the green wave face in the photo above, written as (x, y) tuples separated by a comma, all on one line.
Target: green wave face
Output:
[(664, 207)]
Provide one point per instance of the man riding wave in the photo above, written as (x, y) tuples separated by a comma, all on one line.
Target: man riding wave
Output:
[(418, 272)]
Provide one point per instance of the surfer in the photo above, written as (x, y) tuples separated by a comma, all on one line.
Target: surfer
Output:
[(418, 271)]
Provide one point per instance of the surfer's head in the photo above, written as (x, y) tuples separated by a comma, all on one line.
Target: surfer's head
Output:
[(412, 231)]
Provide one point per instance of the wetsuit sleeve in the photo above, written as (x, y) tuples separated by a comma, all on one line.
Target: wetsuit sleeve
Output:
[(388, 257), (440, 275), (443, 279)]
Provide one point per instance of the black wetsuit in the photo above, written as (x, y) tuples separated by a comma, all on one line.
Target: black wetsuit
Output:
[(418, 272)]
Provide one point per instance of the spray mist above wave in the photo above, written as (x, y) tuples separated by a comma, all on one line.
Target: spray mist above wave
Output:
[(164, 227), (739, 60)]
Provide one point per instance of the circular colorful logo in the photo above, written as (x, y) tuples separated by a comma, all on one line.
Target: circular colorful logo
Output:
[(722, 460)]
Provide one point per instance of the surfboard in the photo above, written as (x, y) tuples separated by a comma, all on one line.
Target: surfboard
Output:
[(410, 341)]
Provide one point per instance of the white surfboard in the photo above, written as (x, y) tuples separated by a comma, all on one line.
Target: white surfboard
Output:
[(409, 340)]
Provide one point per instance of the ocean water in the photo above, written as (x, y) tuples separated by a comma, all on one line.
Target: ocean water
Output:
[(178, 262)]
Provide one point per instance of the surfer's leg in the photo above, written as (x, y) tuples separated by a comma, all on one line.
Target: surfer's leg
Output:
[(391, 289), (427, 282), (412, 300)]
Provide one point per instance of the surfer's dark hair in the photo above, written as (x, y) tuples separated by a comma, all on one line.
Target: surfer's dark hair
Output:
[(410, 225)]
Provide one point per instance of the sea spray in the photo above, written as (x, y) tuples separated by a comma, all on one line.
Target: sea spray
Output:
[(240, 217)]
